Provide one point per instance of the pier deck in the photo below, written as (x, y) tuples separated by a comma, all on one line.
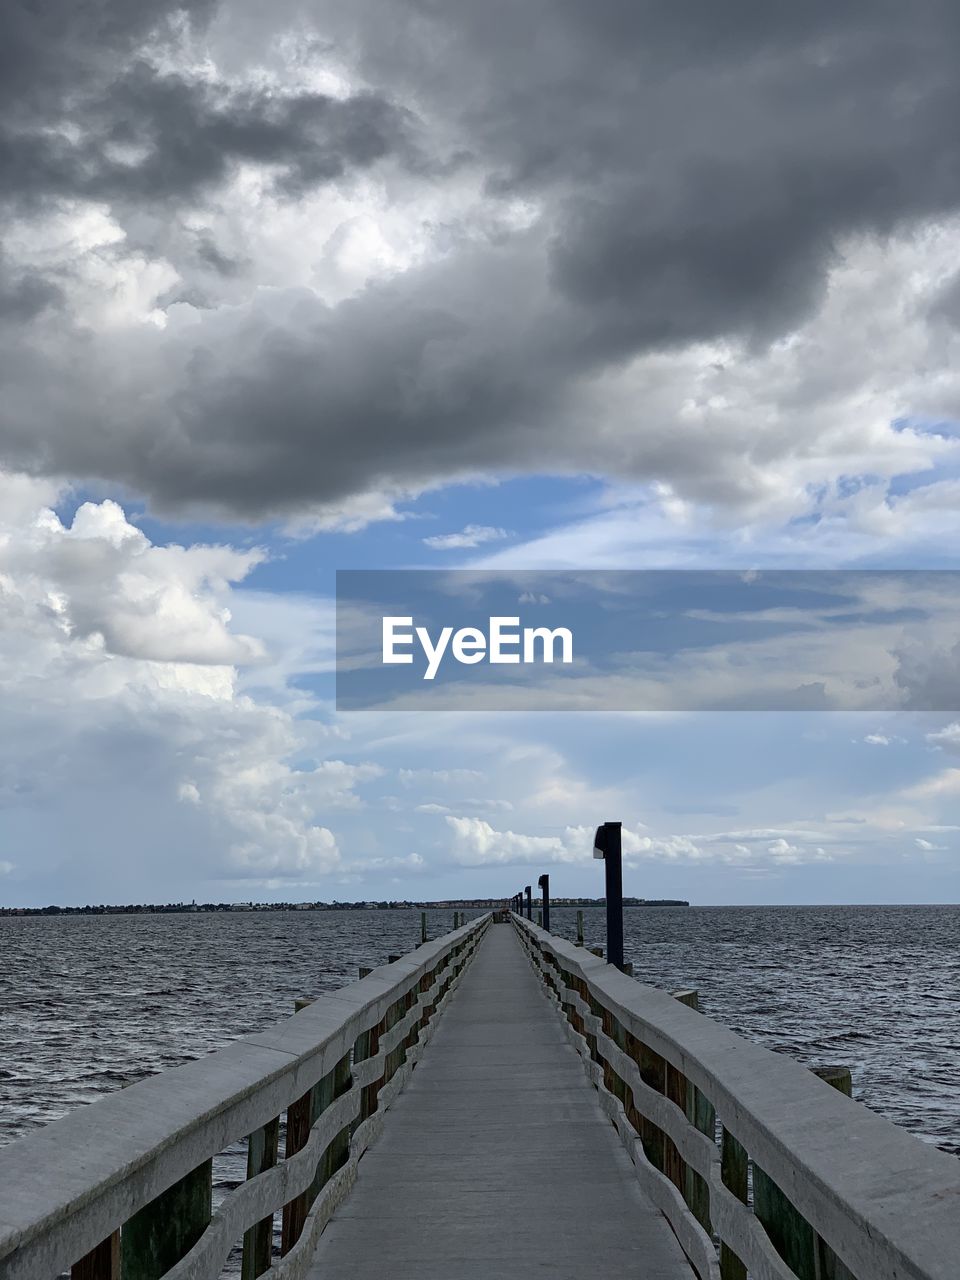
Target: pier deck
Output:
[(497, 1160)]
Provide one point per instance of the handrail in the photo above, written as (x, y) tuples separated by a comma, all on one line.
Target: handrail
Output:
[(131, 1158), (838, 1192)]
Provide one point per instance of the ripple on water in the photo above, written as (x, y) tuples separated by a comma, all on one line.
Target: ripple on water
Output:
[(90, 1003)]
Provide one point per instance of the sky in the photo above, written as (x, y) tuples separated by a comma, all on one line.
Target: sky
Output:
[(300, 287)]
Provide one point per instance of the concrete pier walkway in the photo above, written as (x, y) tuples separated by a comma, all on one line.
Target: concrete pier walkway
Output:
[(497, 1160)]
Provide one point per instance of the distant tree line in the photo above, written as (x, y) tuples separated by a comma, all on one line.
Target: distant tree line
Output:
[(189, 908)]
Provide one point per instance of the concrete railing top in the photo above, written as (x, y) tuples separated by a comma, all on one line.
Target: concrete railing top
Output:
[(885, 1201), (87, 1173)]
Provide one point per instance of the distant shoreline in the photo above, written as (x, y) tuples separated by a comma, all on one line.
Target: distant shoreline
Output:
[(212, 908)]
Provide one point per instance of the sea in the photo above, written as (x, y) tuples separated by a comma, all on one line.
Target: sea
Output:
[(91, 1003)]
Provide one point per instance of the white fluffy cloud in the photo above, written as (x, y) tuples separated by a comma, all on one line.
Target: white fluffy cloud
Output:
[(109, 587), (476, 843), (129, 740)]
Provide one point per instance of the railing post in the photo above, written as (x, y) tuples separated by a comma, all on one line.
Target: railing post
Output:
[(262, 1149), (653, 1072), (830, 1266), (300, 1116), (579, 928), (333, 1084), (162, 1232), (365, 1046), (101, 1263), (733, 1171), (544, 883), (793, 1237), (838, 1078), (529, 895), (700, 1113), (423, 927)]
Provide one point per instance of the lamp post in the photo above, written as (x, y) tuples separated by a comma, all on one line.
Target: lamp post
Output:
[(607, 845), (544, 883)]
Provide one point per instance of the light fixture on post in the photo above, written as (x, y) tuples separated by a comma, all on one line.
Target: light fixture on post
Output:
[(607, 845), (544, 884)]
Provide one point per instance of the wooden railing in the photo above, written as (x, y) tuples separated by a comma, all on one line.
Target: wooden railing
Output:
[(762, 1169), (123, 1187)]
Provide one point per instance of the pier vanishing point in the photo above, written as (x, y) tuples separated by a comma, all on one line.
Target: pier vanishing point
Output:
[(496, 1103)]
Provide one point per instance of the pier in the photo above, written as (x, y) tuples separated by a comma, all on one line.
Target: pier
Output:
[(498, 1103)]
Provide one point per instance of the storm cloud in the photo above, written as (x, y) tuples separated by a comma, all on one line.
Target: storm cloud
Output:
[(616, 209)]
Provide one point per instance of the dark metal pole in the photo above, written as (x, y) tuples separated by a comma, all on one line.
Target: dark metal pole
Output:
[(608, 846), (544, 883), (529, 892)]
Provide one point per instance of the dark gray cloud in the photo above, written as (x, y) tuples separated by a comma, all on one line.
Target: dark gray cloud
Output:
[(88, 116), (695, 167), (182, 137), (25, 293)]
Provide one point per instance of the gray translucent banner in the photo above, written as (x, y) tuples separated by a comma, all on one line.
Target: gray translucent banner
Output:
[(639, 640)]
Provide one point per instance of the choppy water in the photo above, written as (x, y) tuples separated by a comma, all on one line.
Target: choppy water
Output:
[(88, 1003)]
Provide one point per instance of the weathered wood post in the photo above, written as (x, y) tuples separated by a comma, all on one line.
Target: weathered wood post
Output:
[(262, 1149), (392, 959), (300, 1116), (829, 1266), (423, 927), (332, 1085), (733, 1171), (364, 970), (540, 916), (653, 1072), (837, 1077), (528, 892), (101, 1263), (688, 996), (677, 1089), (579, 928), (162, 1232), (792, 1235), (700, 1113)]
